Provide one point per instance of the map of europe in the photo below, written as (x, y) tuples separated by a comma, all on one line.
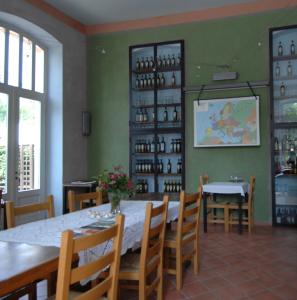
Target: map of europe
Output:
[(226, 122)]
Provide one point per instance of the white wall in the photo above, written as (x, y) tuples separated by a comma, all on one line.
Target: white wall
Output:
[(66, 152)]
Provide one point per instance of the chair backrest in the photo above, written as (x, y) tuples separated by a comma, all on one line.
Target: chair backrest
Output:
[(74, 198), (12, 211), (68, 274), (151, 257), (203, 179), (188, 217), (251, 192)]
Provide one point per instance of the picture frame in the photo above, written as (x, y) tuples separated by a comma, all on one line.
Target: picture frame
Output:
[(226, 122)]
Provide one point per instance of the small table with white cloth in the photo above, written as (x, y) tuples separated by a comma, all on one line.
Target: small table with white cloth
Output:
[(48, 232), (222, 188)]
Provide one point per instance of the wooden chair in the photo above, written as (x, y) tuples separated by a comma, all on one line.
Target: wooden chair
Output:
[(13, 211), (149, 263), (248, 207), (213, 206), (73, 198), (68, 275), (187, 232)]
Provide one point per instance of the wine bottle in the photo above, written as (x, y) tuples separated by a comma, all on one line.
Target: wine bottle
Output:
[(145, 81), (146, 64), (137, 64), (149, 81), (282, 89), (157, 144), (153, 145), (158, 80), (179, 166), (165, 186), (164, 62), (169, 167), (168, 61), (151, 63), (178, 61), (153, 82), (174, 146), (137, 82), (172, 61), (174, 115), (162, 146), (140, 115), (292, 48), (289, 69), (277, 70), (145, 186), (145, 115), (141, 65), (159, 62), (165, 115), (153, 116), (280, 49), (178, 145), (276, 147), (161, 166), (162, 80), (148, 148), (173, 80), (171, 146), (141, 82)]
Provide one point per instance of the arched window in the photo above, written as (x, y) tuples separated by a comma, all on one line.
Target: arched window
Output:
[(22, 99)]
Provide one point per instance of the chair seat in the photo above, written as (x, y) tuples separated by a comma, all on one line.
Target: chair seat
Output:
[(170, 237)]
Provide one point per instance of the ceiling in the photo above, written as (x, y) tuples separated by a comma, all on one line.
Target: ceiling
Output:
[(91, 12)]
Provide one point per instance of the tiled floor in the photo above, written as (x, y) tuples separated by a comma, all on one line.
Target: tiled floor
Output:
[(261, 266)]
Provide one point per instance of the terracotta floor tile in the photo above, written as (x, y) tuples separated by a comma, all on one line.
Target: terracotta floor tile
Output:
[(251, 287), (204, 296), (216, 283), (285, 291), (174, 295), (194, 289), (266, 295)]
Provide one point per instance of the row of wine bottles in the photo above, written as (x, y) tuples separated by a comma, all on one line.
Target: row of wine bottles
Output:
[(142, 186), (148, 146), (281, 52), (286, 216), (172, 186), (160, 62), (147, 166), (278, 70), (148, 81), (287, 143), (143, 116)]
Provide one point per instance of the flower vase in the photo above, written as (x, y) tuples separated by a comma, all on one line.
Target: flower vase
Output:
[(114, 199)]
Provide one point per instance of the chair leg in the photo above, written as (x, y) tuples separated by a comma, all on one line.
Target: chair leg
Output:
[(226, 219), (249, 221), (196, 258), (160, 285), (179, 269)]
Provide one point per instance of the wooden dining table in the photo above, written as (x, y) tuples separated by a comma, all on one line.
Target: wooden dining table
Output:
[(239, 189), (30, 251), (21, 264)]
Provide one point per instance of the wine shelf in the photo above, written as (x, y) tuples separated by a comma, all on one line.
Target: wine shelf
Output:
[(284, 57), (286, 97), (283, 78), (166, 87), (159, 70), (156, 94)]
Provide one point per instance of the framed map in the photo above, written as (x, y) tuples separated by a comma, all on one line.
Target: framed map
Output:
[(226, 122)]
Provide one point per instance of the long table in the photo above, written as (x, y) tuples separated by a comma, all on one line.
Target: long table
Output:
[(46, 234), (22, 264), (239, 189)]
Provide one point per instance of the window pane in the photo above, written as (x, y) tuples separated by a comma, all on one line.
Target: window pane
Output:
[(2, 53), (39, 69), (13, 58), (29, 144), (27, 64), (3, 140)]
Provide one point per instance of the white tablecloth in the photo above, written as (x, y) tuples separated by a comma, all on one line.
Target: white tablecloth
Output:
[(48, 232), (226, 188)]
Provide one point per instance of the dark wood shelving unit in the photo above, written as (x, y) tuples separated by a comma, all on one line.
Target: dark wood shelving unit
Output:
[(284, 131), (155, 99)]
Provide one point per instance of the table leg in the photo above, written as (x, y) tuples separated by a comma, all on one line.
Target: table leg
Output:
[(240, 200), (205, 211)]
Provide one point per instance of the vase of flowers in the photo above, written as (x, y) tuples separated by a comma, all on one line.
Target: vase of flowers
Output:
[(118, 186)]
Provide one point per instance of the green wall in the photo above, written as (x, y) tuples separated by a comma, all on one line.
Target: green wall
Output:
[(233, 41)]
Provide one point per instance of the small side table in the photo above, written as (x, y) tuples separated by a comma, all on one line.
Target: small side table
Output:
[(82, 187)]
